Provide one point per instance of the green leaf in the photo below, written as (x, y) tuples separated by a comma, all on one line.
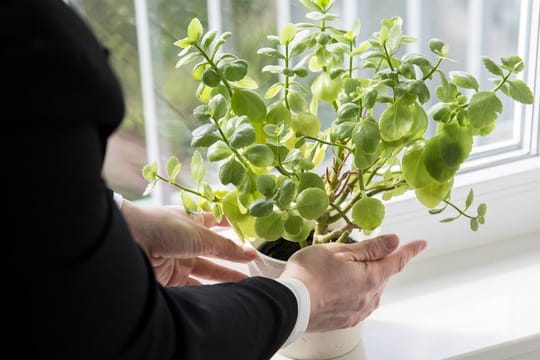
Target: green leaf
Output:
[(312, 203), (491, 66), (149, 171), (484, 108), (269, 227), (394, 37), (235, 70), (470, 199), (287, 33), (482, 209), (366, 136), (286, 192), (231, 172), (249, 103), (207, 38), (173, 167), (311, 5), (270, 52), (204, 136), (368, 213), (273, 90), (438, 47), (195, 30), (190, 205), (266, 184), (414, 169), (396, 122), (474, 224), (218, 151), (296, 101), (186, 59), (464, 80), (520, 91), (210, 77), (217, 106), (309, 180), (261, 207), (197, 166), (363, 159), (260, 155), (231, 207), (293, 224), (513, 63), (432, 194), (243, 135)]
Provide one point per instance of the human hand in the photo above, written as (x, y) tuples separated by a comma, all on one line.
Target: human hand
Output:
[(345, 281), (176, 244)]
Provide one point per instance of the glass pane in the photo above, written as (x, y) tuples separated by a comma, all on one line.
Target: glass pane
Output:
[(113, 23)]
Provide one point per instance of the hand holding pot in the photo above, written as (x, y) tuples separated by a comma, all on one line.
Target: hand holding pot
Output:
[(175, 242), (345, 281)]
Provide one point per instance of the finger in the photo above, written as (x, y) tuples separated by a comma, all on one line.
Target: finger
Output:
[(369, 250), (192, 282), (395, 262), (207, 219), (217, 246), (209, 270)]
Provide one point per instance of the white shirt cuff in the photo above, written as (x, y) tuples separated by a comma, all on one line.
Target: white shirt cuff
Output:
[(118, 199), (301, 294)]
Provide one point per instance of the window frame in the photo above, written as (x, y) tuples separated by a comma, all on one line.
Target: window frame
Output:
[(506, 176)]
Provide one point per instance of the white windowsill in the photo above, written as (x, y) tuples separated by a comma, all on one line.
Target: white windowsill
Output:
[(477, 305), (481, 303)]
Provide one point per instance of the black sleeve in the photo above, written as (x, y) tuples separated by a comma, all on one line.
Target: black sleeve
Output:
[(75, 285)]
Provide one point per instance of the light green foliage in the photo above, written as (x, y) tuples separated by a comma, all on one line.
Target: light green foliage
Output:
[(269, 143)]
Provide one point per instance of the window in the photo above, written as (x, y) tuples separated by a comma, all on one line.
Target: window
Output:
[(140, 34)]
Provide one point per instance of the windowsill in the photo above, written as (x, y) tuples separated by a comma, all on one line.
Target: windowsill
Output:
[(478, 304)]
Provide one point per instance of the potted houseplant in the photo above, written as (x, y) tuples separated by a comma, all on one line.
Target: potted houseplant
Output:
[(344, 128)]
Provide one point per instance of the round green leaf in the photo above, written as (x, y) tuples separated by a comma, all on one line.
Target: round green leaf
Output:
[(312, 203), (235, 70), (432, 194), (287, 34), (325, 88), (464, 80), (296, 102), (278, 114), (218, 151), (261, 207), (269, 227), (306, 124), (266, 184), (368, 213), (249, 103), (366, 136), (309, 180), (414, 170), (396, 122), (484, 109), (287, 190), (231, 172), (194, 30), (293, 224), (210, 77), (260, 155), (243, 135), (231, 207)]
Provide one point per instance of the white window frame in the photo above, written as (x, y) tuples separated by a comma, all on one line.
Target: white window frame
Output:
[(508, 179)]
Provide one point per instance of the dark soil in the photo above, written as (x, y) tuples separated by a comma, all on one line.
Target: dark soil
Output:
[(283, 249)]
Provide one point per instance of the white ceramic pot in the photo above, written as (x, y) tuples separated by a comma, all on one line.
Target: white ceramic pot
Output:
[(312, 346)]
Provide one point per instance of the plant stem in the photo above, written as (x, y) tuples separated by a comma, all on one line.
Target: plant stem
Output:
[(388, 58), (212, 64), (502, 82), (181, 187), (459, 210), (328, 143), (428, 75)]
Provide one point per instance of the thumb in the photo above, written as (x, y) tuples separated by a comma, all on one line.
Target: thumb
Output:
[(372, 249)]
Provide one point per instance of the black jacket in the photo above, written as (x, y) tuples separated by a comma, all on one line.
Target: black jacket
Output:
[(75, 285)]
